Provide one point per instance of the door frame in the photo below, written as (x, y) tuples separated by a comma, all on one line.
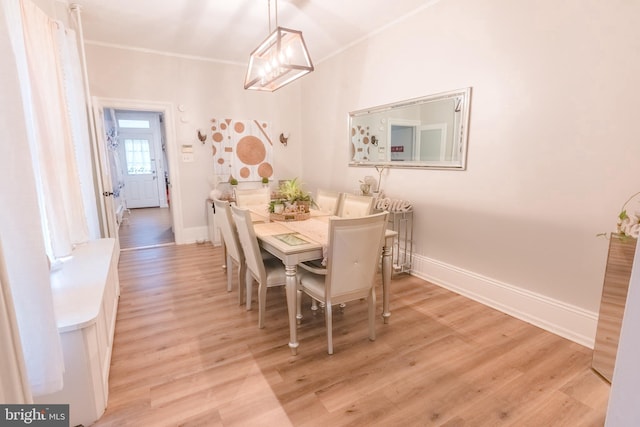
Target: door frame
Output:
[(402, 123), (166, 109)]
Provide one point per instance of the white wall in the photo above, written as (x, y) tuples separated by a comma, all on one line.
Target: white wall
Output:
[(204, 90), (552, 146)]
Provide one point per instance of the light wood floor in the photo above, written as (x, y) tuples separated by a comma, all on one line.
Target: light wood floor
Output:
[(186, 354), (145, 227)]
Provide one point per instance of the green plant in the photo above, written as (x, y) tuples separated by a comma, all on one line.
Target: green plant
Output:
[(292, 191), (627, 226), (233, 181), (273, 203), (265, 180)]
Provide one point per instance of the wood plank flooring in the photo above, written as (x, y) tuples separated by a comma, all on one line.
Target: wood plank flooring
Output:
[(186, 354), (146, 227)]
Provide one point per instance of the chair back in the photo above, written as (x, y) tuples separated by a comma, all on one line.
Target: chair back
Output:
[(355, 206), (249, 243), (224, 221), (355, 246), (253, 198), (328, 202)]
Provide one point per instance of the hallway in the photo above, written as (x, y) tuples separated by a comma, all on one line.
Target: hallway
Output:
[(146, 227)]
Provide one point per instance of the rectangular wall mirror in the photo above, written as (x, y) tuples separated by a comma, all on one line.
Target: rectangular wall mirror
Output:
[(426, 132)]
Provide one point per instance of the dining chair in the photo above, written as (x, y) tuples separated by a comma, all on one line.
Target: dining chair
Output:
[(224, 222), (234, 254), (328, 202), (354, 206), (253, 197), (267, 272), (354, 248)]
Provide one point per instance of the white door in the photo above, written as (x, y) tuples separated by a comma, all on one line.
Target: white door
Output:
[(105, 186), (140, 176), (141, 158)]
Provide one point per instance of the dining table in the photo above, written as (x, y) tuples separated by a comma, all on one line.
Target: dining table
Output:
[(294, 242)]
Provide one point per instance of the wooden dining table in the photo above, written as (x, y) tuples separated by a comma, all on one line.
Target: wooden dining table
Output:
[(293, 245)]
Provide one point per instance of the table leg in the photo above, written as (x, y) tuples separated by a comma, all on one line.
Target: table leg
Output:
[(386, 279), (291, 287)]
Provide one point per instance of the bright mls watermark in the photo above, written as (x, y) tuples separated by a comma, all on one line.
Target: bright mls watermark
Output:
[(34, 415)]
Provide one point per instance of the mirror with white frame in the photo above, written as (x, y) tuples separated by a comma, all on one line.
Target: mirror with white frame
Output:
[(427, 132)]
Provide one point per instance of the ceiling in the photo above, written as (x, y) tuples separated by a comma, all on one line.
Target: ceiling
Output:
[(228, 30)]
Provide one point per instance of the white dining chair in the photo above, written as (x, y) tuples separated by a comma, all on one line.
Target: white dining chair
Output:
[(354, 206), (224, 221), (328, 202), (253, 197), (234, 253), (267, 272), (354, 248)]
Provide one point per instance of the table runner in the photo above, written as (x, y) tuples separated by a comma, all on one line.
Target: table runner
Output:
[(316, 229)]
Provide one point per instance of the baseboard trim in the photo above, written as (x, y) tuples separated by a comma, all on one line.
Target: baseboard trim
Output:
[(193, 235), (565, 320)]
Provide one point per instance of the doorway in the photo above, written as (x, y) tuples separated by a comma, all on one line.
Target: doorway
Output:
[(139, 169), (142, 158), (113, 212)]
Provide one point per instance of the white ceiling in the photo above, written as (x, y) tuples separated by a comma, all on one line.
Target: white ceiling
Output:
[(228, 30)]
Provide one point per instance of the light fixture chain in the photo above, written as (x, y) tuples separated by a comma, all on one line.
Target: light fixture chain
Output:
[(269, 13)]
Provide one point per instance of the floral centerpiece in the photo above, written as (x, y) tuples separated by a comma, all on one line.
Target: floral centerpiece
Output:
[(295, 200), (627, 225)]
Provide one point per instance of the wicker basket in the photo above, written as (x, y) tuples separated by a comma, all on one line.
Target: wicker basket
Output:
[(289, 216)]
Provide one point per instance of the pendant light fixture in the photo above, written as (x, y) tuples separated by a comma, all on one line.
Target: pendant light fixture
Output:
[(279, 60)]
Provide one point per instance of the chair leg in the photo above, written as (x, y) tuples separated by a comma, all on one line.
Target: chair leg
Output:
[(262, 302), (314, 305), (229, 273), (242, 276), (329, 323), (372, 314), (299, 306), (248, 282)]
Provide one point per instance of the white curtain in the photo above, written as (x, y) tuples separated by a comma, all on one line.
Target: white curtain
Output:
[(77, 114), (27, 299), (14, 388), (50, 130), (41, 182)]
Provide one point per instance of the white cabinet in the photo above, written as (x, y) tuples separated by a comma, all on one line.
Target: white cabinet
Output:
[(85, 296)]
